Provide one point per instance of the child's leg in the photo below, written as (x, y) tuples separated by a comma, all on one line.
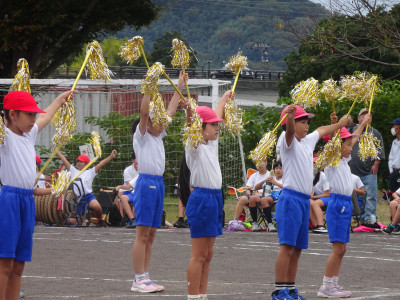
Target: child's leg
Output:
[(14, 280), (95, 205), (142, 248), (266, 207), (198, 268), (313, 218), (239, 206), (316, 208), (282, 262), (6, 265), (335, 259), (254, 199), (393, 208), (293, 264), (149, 248), (127, 208)]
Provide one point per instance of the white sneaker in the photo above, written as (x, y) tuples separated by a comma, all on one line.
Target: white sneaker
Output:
[(144, 286), (255, 227), (271, 227)]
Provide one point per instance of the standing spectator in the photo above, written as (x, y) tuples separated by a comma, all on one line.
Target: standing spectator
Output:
[(394, 157), (367, 171)]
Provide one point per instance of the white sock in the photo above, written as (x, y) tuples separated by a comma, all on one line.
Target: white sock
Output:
[(146, 274), (140, 276), (193, 296), (335, 280), (203, 296), (327, 281)]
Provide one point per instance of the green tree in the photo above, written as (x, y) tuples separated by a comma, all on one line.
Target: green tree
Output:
[(46, 32)]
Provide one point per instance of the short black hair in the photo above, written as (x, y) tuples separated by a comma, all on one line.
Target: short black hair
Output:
[(277, 164), (133, 155)]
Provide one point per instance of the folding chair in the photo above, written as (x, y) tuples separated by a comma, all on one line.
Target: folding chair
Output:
[(262, 219), (78, 206), (237, 192)]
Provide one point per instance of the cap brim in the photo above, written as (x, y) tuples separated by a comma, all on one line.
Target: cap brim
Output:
[(214, 120), (305, 115), (32, 109)]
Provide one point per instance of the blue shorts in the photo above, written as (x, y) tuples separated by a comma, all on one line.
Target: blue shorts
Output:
[(292, 216), (148, 200), (325, 200), (275, 195), (127, 193), (85, 200), (338, 218), (17, 222), (204, 212)]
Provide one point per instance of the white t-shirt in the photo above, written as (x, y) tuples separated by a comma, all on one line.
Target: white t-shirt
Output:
[(203, 164), (41, 182), (322, 185), (276, 188), (150, 153), (87, 179), (256, 178), (18, 159), (357, 183), (130, 173), (297, 163), (340, 178)]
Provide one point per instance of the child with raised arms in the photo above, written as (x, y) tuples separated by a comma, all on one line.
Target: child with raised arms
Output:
[(205, 203), (148, 198), (293, 208), (18, 175), (339, 213)]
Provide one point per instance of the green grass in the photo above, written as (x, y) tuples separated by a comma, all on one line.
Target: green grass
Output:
[(171, 208)]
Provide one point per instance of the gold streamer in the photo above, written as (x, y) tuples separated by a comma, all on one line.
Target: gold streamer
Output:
[(64, 122), (131, 51), (331, 91), (357, 86), (236, 63), (150, 84), (95, 141), (3, 132), (331, 154), (180, 54), (96, 65), (369, 146), (233, 118), (158, 116), (306, 93), (22, 78), (264, 148), (193, 134), (59, 185)]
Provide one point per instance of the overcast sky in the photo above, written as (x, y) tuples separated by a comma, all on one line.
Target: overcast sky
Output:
[(326, 3)]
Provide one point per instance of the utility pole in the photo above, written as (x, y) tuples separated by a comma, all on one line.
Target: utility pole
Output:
[(262, 48)]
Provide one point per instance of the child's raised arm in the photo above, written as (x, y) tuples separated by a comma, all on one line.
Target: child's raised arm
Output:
[(173, 104), (325, 130), (64, 160), (105, 161), (367, 119), (220, 110), (45, 119), (290, 125), (144, 114)]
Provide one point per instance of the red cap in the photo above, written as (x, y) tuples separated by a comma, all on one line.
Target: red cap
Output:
[(207, 115), (21, 100), (38, 160), (84, 158), (300, 112), (344, 133)]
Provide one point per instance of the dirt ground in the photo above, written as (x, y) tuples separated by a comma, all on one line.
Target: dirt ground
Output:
[(95, 263)]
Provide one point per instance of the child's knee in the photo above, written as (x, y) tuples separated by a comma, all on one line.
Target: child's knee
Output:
[(18, 268)]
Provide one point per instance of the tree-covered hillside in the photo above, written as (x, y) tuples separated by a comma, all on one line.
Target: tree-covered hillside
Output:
[(217, 29)]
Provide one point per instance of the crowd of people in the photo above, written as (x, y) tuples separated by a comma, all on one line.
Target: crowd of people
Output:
[(296, 190)]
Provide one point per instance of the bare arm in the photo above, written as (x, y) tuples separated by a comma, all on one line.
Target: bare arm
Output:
[(360, 191), (329, 129), (41, 191), (219, 111), (173, 104), (366, 120), (325, 194), (64, 160), (124, 187), (105, 161), (144, 114), (290, 125), (45, 119)]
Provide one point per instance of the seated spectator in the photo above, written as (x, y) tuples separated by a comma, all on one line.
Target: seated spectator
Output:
[(319, 199), (87, 179), (358, 189), (272, 187), (394, 226), (250, 198)]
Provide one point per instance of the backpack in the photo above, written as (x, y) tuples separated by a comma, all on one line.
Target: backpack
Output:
[(114, 217)]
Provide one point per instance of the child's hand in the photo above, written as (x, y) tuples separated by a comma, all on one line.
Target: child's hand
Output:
[(64, 96), (182, 78), (291, 111), (185, 103), (334, 118), (343, 122), (113, 153), (367, 119), (228, 95)]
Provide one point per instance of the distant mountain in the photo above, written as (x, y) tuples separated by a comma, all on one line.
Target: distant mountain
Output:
[(217, 29)]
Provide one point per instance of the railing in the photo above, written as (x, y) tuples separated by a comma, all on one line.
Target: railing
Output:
[(129, 72)]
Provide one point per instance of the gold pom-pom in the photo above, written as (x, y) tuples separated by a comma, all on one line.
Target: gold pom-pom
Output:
[(3, 132), (306, 93), (233, 118), (95, 141), (237, 63), (150, 83), (369, 146), (21, 80), (59, 185), (64, 122), (96, 65), (357, 87), (330, 90), (180, 54), (193, 134), (159, 116), (131, 51), (264, 148), (331, 154)]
